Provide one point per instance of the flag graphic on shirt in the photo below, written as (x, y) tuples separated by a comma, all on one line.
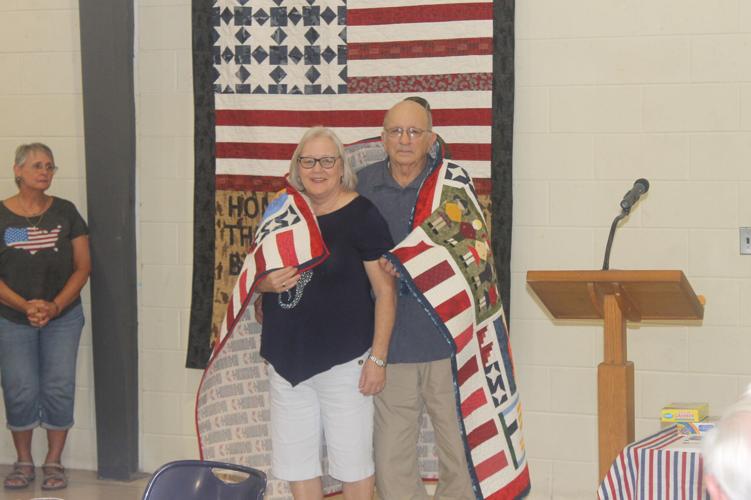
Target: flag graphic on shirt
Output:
[(31, 239)]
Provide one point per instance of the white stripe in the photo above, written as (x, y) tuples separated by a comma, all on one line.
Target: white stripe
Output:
[(348, 135), (419, 31), (278, 168), (289, 135), (241, 166), (379, 4), (288, 102), (420, 66)]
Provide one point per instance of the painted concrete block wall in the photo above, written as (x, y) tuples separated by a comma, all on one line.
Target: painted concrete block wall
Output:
[(609, 91), (164, 121), (40, 100)]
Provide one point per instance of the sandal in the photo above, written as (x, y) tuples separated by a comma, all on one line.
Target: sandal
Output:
[(17, 479), (54, 477)]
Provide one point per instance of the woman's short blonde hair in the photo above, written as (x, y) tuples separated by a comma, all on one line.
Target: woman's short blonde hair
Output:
[(349, 179)]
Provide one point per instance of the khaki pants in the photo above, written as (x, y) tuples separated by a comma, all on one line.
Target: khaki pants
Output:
[(409, 386)]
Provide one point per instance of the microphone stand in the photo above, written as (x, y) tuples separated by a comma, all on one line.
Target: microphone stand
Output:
[(606, 261)]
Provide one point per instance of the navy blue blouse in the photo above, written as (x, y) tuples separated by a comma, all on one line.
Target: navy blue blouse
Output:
[(333, 321)]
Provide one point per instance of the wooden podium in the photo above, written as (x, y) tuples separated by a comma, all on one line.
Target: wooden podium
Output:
[(616, 297)]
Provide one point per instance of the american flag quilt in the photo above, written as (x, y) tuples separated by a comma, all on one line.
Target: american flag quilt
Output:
[(282, 66), (449, 265), (232, 405)]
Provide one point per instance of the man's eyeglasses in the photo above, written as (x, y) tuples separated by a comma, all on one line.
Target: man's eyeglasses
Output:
[(412, 132), (309, 162), (39, 166)]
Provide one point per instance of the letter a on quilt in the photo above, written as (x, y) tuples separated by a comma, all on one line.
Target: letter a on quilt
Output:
[(232, 405), (448, 265)]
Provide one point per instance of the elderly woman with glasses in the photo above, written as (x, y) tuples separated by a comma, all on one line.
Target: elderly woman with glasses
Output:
[(44, 263), (326, 331)]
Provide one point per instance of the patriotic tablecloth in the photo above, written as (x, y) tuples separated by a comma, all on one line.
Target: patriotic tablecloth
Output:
[(660, 466)]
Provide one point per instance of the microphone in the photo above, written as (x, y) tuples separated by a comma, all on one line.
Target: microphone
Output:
[(641, 186)]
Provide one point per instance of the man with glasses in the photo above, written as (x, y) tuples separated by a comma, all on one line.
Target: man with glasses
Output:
[(419, 358)]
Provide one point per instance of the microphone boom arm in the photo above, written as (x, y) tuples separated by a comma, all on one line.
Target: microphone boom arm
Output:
[(606, 261)]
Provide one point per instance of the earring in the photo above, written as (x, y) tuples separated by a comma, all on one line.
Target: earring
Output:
[(18, 179)]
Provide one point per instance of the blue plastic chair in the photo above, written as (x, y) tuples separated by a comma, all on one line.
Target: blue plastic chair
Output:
[(196, 480)]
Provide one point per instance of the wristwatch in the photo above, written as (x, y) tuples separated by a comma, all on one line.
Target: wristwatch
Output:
[(378, 361)]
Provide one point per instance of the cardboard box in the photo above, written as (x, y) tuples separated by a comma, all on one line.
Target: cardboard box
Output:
[(684, 412), (696, 428)]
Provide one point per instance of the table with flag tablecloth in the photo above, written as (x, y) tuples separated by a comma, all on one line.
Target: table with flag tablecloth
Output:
[(665, 465)]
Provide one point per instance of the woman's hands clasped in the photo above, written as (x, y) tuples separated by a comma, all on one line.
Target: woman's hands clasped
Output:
[(40, 312)]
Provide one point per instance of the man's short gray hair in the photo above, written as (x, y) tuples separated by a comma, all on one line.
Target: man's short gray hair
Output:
[(349, 179), (727, 450)]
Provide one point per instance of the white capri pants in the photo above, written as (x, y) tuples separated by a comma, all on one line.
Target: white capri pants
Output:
[(329, 402)]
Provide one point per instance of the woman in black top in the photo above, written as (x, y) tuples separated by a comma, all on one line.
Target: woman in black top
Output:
[(324, 334), (44, 263)]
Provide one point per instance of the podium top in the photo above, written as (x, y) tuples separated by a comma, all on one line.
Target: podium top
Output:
[(643, 294)]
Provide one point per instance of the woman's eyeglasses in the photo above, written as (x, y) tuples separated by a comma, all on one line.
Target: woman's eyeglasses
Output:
[(39, 166), (309, 162)]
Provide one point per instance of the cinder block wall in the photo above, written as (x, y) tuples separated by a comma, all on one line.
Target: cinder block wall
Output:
[(40, 100), (607, 92), (164, 117)]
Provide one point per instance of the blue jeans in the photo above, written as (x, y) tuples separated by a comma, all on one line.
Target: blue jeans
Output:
[(38, 369)]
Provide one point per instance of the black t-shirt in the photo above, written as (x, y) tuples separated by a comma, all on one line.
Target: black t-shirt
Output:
[(333, 321), (36, 254)]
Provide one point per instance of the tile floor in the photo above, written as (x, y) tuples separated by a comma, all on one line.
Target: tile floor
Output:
[(82, 485)]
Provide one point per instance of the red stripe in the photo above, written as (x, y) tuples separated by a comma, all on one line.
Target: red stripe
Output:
[(487, 468), (470, 152), (683, 474), (342, 118), (230, 314), (317, 245), (420, 83), (463, 338), (241, 283), (405, 254), (481, 434), (453, 306), (420, 48), (625, 475), (473, 402), (610, 483), (514, 489), (667, 474), (466, 371), (253, 183), (433, 276), (260, 262), (420, 14), (261, 150), (650, 475), (285, 244), (424, 203)]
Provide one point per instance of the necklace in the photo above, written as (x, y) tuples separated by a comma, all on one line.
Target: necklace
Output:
[(289, 301), (25, 216)]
